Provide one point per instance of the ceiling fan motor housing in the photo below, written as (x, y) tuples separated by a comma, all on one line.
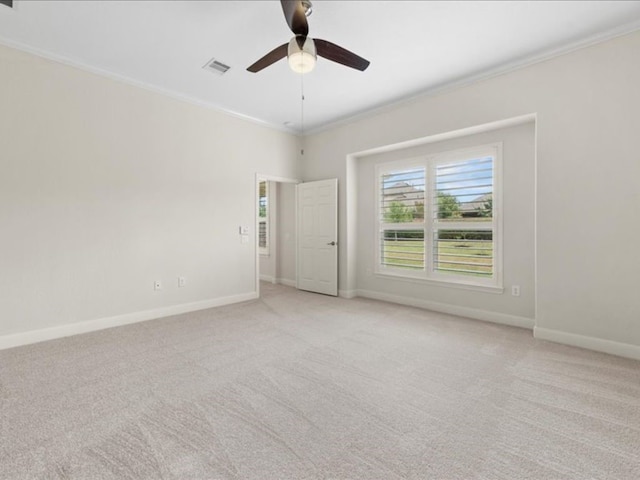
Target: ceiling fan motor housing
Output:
[(308, 7)]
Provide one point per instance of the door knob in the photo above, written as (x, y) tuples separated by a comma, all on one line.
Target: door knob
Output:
[(331, 243)]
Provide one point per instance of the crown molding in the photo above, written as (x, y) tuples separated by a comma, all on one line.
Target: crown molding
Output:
[(370, 112), (481, 76), (137, 83)]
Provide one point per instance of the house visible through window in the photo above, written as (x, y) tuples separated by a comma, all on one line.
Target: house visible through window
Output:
[(263, 217), (437, 217)]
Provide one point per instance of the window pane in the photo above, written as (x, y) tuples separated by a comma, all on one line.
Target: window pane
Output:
[(402, 196), (262, 234), (402, 249), (464, 190), (464, 252), (262, 200)]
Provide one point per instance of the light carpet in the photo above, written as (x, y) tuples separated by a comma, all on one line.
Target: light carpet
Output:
[(303, 386)]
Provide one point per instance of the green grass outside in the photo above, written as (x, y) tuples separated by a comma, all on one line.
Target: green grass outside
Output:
[(410, 254)]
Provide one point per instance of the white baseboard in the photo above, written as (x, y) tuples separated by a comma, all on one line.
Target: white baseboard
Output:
[(494, 317), (41, 335), (590, 343), (268, 278), (347, 293), (288, 282)]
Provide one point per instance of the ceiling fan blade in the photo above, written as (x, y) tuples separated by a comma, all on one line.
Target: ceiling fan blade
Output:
[(272, 57), (337, 54), (295, 16)]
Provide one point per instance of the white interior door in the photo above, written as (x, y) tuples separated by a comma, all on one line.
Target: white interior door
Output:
[(318, 236)]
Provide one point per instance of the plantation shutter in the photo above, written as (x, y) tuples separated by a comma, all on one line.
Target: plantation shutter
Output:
[(463, 217), (263, 217), (437, 217), (402, 207)]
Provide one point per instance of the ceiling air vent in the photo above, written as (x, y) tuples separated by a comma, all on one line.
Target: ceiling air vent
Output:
[(8, 3), (216, 67)]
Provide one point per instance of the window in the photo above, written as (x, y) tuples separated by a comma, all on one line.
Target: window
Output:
[(438, 217), (263, 217)]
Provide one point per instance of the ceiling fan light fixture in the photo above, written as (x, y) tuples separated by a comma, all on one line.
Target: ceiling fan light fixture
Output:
[(302, 60)]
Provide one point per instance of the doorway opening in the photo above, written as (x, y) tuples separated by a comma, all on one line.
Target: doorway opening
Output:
[(275, 231)]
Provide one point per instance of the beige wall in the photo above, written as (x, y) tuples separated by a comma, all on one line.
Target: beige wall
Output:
[(588, 220), (105, 187)]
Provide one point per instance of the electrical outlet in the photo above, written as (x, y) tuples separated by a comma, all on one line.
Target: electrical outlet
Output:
[(157, 285), (182, 281), (515, 290)]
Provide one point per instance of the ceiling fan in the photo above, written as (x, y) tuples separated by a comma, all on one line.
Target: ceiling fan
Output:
[(302, 50)]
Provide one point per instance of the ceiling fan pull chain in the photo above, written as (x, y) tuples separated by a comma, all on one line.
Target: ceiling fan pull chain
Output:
[(302, 108), (301, 115)]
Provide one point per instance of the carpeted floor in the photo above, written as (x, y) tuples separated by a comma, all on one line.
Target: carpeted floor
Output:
[(304, 386)]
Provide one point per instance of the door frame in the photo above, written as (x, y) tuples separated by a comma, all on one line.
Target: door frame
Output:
[(260, 177)]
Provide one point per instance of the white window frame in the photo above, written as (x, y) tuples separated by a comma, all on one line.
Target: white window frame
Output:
[(429, 224)]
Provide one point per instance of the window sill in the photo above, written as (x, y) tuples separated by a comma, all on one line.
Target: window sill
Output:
[(497, 290)]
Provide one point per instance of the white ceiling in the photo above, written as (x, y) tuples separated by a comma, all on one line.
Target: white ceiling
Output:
[(414, 47)]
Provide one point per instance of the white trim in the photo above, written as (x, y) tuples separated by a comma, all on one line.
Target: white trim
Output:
[(590, 343), (535, 219), (450, 135), (297, 245), (497, 214), (272, 178), (80, 65), (474, 313), (347, 293), (445, 87), (268, 278), (41, 335), (441, 282), (287, 282)]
